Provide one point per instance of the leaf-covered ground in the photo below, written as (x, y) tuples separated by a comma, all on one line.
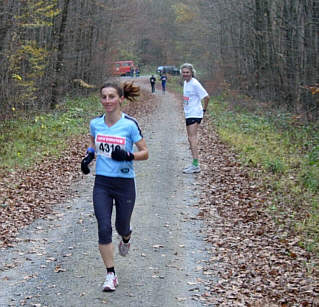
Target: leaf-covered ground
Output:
[(257, 262), (26, 195), (29, 194)]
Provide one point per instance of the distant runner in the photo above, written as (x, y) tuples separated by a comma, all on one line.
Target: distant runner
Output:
[(112, 137), (152, 81), (193, 93), (163, 79)]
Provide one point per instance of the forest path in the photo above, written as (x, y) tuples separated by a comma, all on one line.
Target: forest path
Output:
[(58, 263)]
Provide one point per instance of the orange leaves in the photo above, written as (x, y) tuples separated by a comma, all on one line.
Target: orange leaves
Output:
[(314, 89), (257, 261), (29, 194)]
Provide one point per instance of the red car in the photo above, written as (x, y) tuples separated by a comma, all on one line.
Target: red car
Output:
[(123, 68)]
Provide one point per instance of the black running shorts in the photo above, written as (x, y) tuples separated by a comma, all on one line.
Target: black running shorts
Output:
[(193, 120)]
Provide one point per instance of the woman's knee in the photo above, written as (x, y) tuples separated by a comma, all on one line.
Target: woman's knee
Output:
[(123, 230), (105, 234)]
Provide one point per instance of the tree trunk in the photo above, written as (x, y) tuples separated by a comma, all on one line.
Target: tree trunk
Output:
[(58, 84)]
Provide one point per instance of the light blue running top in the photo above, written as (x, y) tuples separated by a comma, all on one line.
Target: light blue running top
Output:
[(123, 134)]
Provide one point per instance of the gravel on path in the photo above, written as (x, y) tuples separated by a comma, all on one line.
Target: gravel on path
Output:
[(57, 262)]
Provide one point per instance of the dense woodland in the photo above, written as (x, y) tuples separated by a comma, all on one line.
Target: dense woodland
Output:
[(267, 49)]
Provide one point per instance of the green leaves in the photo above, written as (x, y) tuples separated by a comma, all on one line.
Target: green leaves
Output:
[(37, 13), (184, 13), (23, 141), (286, 155)]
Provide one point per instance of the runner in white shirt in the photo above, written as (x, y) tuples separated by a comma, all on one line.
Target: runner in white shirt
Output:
[(193, 94)]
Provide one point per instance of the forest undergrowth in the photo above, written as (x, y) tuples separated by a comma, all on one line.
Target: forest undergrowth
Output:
[(285, 150), (282, 151)]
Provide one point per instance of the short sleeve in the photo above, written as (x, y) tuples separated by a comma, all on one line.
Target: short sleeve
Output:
[(92, 129), (136, 134), (202, 93)]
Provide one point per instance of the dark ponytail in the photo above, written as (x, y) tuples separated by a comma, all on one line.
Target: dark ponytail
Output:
[(129, 90)]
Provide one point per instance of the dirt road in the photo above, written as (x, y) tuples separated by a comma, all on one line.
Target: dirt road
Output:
[(57, 262)]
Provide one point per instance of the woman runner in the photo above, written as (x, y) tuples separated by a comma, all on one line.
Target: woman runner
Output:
[(112, 137), (193, 94)]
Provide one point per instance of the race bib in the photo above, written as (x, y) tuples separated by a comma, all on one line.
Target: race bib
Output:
[(186, 100), (105, 144)]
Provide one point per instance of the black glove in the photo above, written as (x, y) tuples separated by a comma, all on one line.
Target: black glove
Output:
[(87, 160), (121, 155)]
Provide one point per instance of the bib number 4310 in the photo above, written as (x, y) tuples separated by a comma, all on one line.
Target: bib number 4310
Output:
[(105, 147), (105, 144)]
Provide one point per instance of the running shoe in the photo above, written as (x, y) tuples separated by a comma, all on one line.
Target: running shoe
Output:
[(191, 169), (111, 282), (124, 248)]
